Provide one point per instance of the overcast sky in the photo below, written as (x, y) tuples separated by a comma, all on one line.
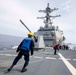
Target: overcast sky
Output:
[(11, 11)]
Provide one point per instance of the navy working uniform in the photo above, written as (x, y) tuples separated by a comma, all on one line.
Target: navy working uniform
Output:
[(24, 48)]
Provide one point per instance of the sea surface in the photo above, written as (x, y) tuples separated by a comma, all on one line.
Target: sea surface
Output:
[(8, 41)]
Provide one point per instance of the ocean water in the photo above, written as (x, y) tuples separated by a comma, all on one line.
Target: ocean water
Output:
[(8, 41)]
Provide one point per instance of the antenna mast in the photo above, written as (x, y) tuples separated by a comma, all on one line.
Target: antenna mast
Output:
[(48, 18)]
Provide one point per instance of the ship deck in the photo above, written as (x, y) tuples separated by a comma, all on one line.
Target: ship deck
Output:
[(43, 62)]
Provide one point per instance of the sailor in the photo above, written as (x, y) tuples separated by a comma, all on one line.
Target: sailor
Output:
[(23, 49), (55, 49)]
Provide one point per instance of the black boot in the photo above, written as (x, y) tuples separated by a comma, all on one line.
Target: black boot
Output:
[(9, 69), (24, 70)]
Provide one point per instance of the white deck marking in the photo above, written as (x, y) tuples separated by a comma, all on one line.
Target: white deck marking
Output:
[(9, 54), (37, 57), (37, 61), (69, 66), (74, 59), (40, 57), (50, 58), (6, 51), (68, 59)]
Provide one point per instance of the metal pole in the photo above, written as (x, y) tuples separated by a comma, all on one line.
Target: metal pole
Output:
[(28, 29), (25, 26)]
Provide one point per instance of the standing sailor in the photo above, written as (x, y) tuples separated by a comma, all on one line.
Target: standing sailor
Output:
[(23, 49)]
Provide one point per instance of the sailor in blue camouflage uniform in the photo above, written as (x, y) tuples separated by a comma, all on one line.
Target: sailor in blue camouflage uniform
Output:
[(26, 46)]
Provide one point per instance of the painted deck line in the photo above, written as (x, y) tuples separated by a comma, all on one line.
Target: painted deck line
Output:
[(69, 66)]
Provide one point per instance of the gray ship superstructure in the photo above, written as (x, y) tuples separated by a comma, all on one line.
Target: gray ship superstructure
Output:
[(51, 34)]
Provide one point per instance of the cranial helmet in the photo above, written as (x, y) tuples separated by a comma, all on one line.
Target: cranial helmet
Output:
[(30, 34)]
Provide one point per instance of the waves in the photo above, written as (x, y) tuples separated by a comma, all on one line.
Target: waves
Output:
[(8, 41)]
